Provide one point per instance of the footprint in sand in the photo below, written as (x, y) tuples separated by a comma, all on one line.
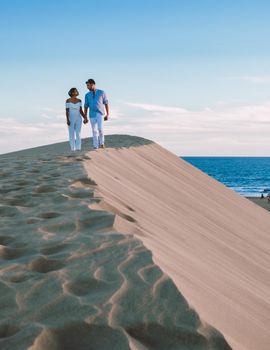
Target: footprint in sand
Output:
[(80, 335), (65, 227), (32, 221), (18, 277), (49, 215), (7, 330), (84, 181), (8, 211), (85, 286), (34, 171), (7, 253), (54, 248), (129, 208), (45, 189), (4, 240), (44, 265), (17, 201), (127, 217)]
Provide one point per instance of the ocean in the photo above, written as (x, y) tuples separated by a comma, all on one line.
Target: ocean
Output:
[(249, 176)]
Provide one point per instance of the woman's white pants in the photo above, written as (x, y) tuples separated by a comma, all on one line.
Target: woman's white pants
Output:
[(97, 130), (75, 133)]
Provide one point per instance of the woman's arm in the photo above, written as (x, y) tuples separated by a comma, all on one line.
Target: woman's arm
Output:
[(67, 116)]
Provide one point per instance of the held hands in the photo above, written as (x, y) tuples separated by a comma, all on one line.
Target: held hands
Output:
[(85, 120), (68, 122), (106, 117)]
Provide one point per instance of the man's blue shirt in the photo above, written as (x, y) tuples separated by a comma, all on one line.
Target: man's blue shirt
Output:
[(95, 103)]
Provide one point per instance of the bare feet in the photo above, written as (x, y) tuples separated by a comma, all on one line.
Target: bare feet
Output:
[(102, 146)]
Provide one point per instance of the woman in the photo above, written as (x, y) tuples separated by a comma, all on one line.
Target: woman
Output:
[(74, 114)]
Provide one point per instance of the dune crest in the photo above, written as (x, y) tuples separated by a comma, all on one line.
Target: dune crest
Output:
[(213, 243)]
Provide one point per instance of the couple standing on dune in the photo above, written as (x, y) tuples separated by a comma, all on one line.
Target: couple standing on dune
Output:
[(95, 101)]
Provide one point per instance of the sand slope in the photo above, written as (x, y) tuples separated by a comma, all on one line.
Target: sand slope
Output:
[(69, 278), (213, 243)]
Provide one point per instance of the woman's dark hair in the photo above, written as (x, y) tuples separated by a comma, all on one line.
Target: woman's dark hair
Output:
[(71, 91)]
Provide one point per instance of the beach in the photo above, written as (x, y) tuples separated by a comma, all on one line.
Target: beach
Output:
[(128, 247), (262, 202)]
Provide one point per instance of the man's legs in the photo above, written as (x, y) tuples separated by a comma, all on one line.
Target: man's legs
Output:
[(94, 125), (100, 130)]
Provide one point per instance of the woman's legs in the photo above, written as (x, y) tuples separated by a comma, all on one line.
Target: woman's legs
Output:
[(71, 135), (78, 126)]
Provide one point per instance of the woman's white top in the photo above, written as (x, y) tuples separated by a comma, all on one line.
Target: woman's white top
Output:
[(74, 109), (72, 105)]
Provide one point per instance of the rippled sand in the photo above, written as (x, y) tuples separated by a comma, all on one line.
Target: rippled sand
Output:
[(68, 279)]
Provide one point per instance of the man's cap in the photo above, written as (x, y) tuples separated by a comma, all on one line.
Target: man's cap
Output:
[(90, 81)]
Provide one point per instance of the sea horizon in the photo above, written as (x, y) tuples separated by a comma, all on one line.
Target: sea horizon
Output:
[(246, 175)]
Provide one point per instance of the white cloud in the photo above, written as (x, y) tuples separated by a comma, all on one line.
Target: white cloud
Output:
[(17, 135), (257, 79), (219, 130), (156, 108), (223, 130), (49, 127)]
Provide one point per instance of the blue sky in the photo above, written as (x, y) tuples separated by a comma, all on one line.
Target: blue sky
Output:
[(192, 75)]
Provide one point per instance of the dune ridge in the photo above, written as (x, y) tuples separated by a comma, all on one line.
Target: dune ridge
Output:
[(69, 279), (212, 242)]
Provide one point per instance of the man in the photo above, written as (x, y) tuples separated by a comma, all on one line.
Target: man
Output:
[(96, 100)]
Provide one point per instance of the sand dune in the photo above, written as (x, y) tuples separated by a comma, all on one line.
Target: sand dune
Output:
[(213, 243), (78, 278)]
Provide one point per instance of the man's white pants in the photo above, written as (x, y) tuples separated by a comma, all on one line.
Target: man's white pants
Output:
[(75, 129), (97, 130)]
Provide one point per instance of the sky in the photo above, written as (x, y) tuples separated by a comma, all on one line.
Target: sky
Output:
[(192, 75)]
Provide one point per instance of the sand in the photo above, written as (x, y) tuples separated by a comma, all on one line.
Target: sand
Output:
[(128, 248), (213, 243), (262, 202)]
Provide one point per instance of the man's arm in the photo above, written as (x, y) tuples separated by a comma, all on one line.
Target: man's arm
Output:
[(107, 111), (86, 105), (106, 104), (85, 111)]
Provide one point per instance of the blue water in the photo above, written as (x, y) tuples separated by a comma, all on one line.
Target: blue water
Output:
[(249, 176)]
